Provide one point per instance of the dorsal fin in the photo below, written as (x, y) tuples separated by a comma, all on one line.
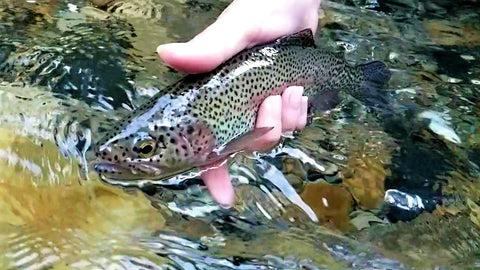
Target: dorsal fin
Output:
[(302, 38)]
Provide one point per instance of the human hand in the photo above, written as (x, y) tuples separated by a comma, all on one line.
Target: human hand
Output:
[(243, 24)]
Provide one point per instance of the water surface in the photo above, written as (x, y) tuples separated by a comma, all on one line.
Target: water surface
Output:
[(390, 191)]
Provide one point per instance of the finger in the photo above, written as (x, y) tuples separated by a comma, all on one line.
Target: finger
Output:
[(202, 54), (291, 107), (218, 42), (233, 32), (302, 118), (217, 181), (269, 115)]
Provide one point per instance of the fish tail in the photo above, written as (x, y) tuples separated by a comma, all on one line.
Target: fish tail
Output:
[(374, 77), (375, 74)]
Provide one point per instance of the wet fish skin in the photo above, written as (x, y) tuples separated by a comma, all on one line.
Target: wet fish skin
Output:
[(206, 117)]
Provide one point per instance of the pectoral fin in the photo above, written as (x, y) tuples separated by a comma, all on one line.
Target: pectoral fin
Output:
[(238, 144)]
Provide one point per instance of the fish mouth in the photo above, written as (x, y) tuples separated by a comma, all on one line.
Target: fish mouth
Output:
[(116, 171), (134, 173)]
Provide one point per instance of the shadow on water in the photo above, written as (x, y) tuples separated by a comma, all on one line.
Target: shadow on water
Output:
[(390, 190)]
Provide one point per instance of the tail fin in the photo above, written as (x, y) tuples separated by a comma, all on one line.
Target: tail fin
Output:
[(375, 77), (375, 74)]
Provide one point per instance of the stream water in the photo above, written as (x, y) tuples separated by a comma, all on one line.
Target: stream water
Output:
[(394, 192)]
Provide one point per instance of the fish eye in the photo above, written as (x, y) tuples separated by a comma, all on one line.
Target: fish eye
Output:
[(146, 148)]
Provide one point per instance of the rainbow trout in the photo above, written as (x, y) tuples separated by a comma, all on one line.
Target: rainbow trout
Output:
[(205, 118)]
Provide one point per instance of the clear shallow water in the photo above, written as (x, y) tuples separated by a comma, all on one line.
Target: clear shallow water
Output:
[(427, 154)]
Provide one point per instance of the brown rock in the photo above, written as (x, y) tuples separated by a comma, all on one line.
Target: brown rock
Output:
[(365, 179), (331, 203)]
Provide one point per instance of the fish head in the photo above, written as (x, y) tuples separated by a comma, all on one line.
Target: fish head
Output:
[(154, 149)]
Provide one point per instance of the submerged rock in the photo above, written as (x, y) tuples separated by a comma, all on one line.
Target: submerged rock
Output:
[(365, 179), (331, 203)]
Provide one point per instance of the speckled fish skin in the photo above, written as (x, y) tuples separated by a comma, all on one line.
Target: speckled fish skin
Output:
[(189, 123)]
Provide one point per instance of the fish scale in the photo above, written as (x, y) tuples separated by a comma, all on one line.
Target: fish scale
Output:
[(205, 118)]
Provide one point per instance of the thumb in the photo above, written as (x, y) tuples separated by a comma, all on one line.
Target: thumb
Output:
[(202, 54), (241, 25), (218, 42)]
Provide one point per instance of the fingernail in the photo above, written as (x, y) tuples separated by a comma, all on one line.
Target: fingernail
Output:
[(273, 101), (159, 48), (162, 48), (305, 101), (225, 206), (302, 121), (295, 98), (176, 48)]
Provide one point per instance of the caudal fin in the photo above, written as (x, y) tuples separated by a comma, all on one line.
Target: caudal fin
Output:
[(375, 74), (375, 77)]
